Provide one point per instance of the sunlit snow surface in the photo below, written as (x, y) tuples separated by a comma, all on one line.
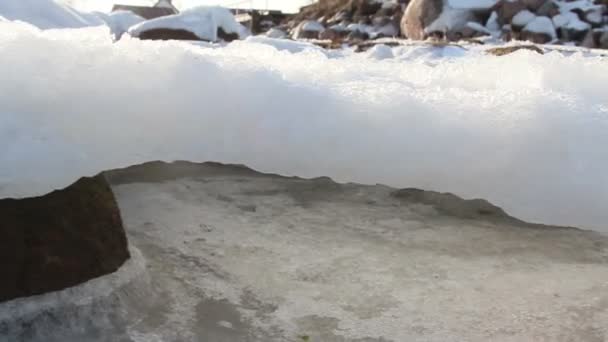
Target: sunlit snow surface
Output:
[(525, 131)]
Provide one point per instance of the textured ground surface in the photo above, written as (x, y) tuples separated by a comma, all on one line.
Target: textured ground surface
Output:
[(256, 258), (233, 255)]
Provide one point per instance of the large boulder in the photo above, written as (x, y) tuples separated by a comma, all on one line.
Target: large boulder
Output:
[(419, 15), (200, 23), (60, 240)]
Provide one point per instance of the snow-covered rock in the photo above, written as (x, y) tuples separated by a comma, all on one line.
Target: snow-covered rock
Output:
[(308, 29), (46, 14), (540, 30), (209, 23), (275, 33), (119, 22), (523, 18)]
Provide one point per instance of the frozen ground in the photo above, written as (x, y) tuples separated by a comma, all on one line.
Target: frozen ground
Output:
[(525, 131), (233, 255)]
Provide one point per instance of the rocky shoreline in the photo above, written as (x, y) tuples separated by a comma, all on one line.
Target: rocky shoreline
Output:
[(572, 23)]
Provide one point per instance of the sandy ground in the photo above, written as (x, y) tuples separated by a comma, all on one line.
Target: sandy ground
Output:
[(229, 254)]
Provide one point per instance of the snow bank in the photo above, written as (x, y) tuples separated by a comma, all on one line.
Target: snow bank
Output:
[(46, 14), (204, 21), (525, 131)]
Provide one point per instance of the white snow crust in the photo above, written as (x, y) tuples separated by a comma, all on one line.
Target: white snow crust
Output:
[(524, 131)]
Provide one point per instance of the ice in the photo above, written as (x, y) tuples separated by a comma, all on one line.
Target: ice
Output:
[(524, 131), (204, 21)]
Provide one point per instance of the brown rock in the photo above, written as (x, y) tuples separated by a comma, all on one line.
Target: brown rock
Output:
[(418, 15), (547, 9), (168, 34), (60, 240), (333, 35), (535, 37), (365, 7), (506, 10), (533, 5), (591, 40), (179, 34), (603, 41), (501, 51)]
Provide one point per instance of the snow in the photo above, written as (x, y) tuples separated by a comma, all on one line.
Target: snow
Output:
[(541, 25), (388, 30), (46, 14), (478, 27), (312, 25), (307, 26), (524, 131), (275, 33), (380, 52), (284, 44), (119, 22), (522, 18), (583, 5), (594, 16), (492, 23), (203, 21), (450, 19), (570, 20)]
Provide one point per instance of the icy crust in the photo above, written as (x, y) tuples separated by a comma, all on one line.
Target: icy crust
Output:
[(345, 262), (99, 304), (524, 131), (203, 21)]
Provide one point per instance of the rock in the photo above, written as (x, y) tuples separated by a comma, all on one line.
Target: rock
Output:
[(521, 19), (591, 40), (603, 41), (539, 31), (419, 15), (501, 51), (506, 10), (388, 30), (167, 34), (275, 33), (365, 7), (225, 36), (180, 34), (333, 34), (594, 17), (533, 5), (570, 27), (548, 9), (356, 35), (308, 29), (60, 240)]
